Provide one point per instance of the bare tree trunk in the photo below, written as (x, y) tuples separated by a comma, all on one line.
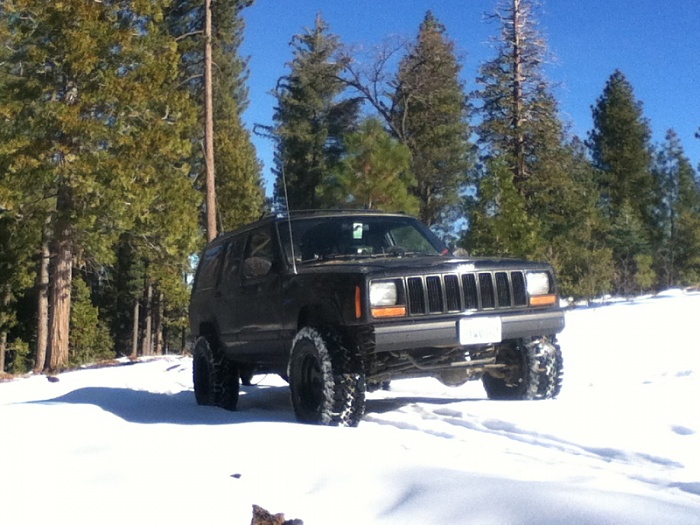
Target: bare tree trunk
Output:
[(6, 296), (60, 284), (3, 350), (158, 325), (518, 80), (146, 342), (135, 330), (209, 126), (42, 329)]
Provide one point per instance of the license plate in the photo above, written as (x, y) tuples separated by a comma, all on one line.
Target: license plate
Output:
[(479, 330)]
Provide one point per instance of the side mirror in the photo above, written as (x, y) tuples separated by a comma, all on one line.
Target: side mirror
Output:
[(254, 267)]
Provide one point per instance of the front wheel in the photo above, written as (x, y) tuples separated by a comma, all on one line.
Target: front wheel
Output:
[(326, 380), (527, 370)]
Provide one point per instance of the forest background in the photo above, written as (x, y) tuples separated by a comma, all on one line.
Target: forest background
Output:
[(101, 163)]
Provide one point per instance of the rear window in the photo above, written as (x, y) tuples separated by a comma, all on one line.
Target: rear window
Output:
[(209, 268)]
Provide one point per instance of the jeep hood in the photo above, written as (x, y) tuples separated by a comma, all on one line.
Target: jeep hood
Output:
[(420, 264)]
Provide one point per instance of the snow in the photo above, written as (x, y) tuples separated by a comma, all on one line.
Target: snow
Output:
[(128, 445)]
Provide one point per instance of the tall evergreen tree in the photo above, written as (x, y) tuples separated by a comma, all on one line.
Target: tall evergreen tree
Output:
[(429, 116), (621, 152), (311, 118), (534, 195), (677, 244), (511, 101), (239, 188), (88, 108)]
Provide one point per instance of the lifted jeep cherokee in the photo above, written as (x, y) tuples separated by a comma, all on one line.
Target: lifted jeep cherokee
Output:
[(343, 302)]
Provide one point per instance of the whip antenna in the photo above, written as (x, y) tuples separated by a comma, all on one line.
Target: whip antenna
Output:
[(289, 220)]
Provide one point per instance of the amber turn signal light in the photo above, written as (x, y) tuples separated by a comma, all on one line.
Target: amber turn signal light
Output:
[(543, 300)]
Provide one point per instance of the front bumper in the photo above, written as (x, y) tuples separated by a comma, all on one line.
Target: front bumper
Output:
[(442, 333)]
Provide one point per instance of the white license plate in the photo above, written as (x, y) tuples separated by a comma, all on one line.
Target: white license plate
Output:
[(479, 330)]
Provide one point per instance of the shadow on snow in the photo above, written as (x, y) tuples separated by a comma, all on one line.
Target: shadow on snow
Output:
[(256, 404)]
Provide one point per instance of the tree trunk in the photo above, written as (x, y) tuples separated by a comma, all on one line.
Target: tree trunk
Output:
[(517, 94), (209, 126), (158, 325), (60, 284), (135, 330), (146, 342), (6, 296), (3, 350), (42, 329)]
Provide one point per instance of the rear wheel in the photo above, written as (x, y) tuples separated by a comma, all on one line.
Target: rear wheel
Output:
[(326, 380), (530, 370), (216, 379), (230, 385)]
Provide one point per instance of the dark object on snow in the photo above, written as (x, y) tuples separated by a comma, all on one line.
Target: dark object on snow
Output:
[(341, 303), (263, 517), (52, 379)]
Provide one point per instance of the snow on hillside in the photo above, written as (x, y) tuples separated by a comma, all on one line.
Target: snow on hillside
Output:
[(128, 445)]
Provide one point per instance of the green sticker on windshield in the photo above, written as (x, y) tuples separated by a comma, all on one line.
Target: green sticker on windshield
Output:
[(357, 230)]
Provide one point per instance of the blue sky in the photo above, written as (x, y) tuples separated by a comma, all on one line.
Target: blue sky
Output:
[(655, 44)]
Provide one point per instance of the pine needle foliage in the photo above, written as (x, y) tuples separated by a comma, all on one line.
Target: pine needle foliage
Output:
[(621, 153), (677, 242), (91, 95), (374, 172)]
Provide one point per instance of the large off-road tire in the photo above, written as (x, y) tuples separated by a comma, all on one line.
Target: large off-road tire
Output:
[(216, 380), (230, 385), (326, 380), (534, 370)]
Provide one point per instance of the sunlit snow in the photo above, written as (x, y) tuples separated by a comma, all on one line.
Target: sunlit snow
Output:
[(128, 445)]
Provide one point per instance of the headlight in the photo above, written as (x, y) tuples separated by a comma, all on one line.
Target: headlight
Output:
[(386, 299), (539, 288), (383, 293), (538, 283)]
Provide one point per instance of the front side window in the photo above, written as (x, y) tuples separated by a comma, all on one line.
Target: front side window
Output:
[(260, 254)]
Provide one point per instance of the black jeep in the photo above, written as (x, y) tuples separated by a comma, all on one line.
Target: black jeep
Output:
[(340, 303)]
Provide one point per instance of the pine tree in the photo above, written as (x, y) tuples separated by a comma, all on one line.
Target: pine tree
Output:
[(429, 116), (621, 152), (518, 123), (677, 244), (310, 118), (239, 189), (534, 194), (374, 172)]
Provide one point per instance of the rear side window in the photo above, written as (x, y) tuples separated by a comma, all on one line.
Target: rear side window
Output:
[(209, 268), (232, 261)]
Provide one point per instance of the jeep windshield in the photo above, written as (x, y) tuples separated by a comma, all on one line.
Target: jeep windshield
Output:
[(357, 236)]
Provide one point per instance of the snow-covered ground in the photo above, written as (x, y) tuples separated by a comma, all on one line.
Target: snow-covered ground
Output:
[(127, 444)]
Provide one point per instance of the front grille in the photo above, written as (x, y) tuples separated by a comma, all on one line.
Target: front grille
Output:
[(433, 294)]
